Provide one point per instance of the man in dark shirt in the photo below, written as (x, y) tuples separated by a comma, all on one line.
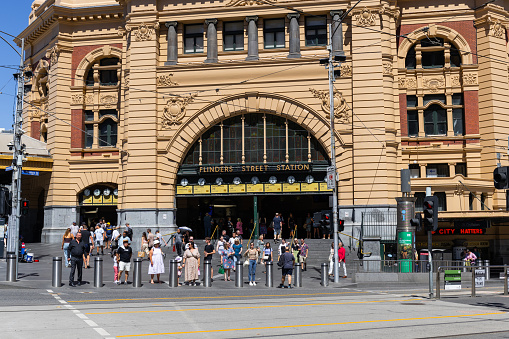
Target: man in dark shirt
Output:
[(286, 262), (77, 251), (207, 224), (124, 255), (85, 236), (208, 252)]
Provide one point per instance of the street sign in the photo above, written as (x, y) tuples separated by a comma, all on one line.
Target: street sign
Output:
[(36, 173), (452, 279), (480, 276), (8, 168), (331, 177)]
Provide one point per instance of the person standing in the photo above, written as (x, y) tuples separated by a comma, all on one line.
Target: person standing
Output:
[(238, 227), (291, 225), (260, 245), (192, 259), (88, 241), (123, 238), (74, 229), (263, 226), (150, 238), (115, 265), (159, 237), (267, 254), (207, 225), (308, 224), (282, 246), (77, 250), (114, 240), (156, 262), (296, 249), (277, 227), (331, 259), (129, 231), (144, 244), (286, 262), (304, 250), (227, 258), (124, 255), (177, 242), (252, 254), (108, 232), (220, 247), (341, 258), (99, 239), (207, 255), (66, 240), (237, 250)]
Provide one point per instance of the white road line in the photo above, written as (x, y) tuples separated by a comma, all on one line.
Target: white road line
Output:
[(81, 315), (101, 331), (50, 291), (63, 301), (90, 323)]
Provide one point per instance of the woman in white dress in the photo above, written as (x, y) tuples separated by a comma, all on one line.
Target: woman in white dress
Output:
[(156, 262)]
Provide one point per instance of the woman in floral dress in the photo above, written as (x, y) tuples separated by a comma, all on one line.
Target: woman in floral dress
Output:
[(227, 257), (192, 264)]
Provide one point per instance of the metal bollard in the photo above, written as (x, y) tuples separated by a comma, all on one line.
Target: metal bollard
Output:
[(11, 267), (473, 282), (297, 275), (437, 294), (174, 277), (137, 272), (239, 274), (487, 269), (506, 292), (56, 276), (207, 279), (269, 274), (98, 272), (325, 275)]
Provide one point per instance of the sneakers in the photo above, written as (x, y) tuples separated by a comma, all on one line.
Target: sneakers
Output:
[(250, 283), (254, 283), (290, 286), (281, 286), (115, 282)]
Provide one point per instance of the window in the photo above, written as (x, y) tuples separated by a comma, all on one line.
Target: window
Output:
[(107, 74), (108, 133), (413, 123), (233, 36), (110, 112), (316, 31), (435, 120), (419, 202), (274, 33), (437, 171), (433, 97), (411, 101), (483, 201), (89, 136), (410, 61), (457, 99), (455, 57), (432, 52), (415, 171), (105, 123), (442, 201), (193, 38), (471, 201), (461, 168)]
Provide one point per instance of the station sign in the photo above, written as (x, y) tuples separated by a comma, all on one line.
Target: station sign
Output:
[(285, 167)]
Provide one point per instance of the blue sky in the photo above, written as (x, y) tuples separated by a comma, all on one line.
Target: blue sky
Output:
[(13, 19)]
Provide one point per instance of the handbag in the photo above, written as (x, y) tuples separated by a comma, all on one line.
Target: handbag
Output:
[(266, 257), (221, 270), (246, 262), (141, 254)]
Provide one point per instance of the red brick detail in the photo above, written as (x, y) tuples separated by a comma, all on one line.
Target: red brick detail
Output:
[(77, 139), (403, 115), (79, 52), (465, 28), (35, 129), (471, 99)]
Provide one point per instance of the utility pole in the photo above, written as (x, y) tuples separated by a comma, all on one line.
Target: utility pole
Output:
[(17, 164)]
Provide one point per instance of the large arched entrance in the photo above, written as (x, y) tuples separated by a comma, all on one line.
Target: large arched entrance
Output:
[(251, 166)]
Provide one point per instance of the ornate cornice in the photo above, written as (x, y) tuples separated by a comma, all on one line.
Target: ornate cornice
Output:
[(236, 3), (364, 17), (340, 105), (165, 80), (143, 31)]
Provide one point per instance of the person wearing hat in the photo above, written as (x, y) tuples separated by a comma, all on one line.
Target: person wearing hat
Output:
[(156, 262), (124, 255), (109, 232)]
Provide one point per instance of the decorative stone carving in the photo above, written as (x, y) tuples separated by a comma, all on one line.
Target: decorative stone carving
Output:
[(235, 3), (89, 100), (77, 99), (365, 17), (166, 80), (53, 54), (470, 79), (340, 105), (175, 110), (126, 78), (27, 68), (455, 80), (433, 84), (346, 70), (108, 100), (497, 29), (394, 12), (387, 68), (143, 32), (121, 31)]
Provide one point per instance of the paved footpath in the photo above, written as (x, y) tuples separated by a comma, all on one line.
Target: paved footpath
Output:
[(30, 308)]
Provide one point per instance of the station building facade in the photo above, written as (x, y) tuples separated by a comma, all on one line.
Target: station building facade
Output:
[(157, 112)]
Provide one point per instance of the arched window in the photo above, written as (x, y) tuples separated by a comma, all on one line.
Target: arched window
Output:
[(105, 72), (435, 120), (108, 133), (101, 123), (267, 139), (432, 53)]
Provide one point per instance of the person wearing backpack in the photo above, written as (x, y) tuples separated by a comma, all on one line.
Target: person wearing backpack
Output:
[(129, 231)]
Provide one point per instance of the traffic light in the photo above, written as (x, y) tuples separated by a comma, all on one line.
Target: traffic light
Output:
[(430, 208), (500, 176), (341, 225), (24, 206), (416, 221)]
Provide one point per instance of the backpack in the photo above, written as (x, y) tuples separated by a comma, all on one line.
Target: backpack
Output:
[(130, 233)]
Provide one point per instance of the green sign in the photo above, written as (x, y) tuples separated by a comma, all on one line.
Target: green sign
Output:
[(405, 251), (452, 279)]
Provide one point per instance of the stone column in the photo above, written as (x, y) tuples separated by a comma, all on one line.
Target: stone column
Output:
[(337, 38), (172, 49), (252, 38), (294, 35), (211, 40)]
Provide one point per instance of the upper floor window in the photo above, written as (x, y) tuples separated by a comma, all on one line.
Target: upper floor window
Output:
[(431, 53), (193, 38), (435, 120), (316, 31), (101, 128), (461, 168), (274, 33), (442, 201), (415, 170), (437, 170), (412, 116), (105, 72), (233, 36)]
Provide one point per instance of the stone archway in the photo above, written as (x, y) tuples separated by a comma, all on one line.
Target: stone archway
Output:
[(90, 58), (251, 102)]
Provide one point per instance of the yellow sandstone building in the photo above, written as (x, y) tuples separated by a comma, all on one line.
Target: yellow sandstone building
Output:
[(156, 112)]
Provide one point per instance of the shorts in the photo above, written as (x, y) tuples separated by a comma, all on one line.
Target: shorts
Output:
[(277, 231), (108, 237), (124, 266), (99, 243), (302, 259), (287, 271), (87, 248)]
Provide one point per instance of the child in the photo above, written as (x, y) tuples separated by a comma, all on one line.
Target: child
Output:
[(115, 266)]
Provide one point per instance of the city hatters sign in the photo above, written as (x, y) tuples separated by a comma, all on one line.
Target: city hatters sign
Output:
[(255, 168)]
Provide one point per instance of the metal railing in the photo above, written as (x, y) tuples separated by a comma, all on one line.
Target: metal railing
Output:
[(473, 282), (398, 266)]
